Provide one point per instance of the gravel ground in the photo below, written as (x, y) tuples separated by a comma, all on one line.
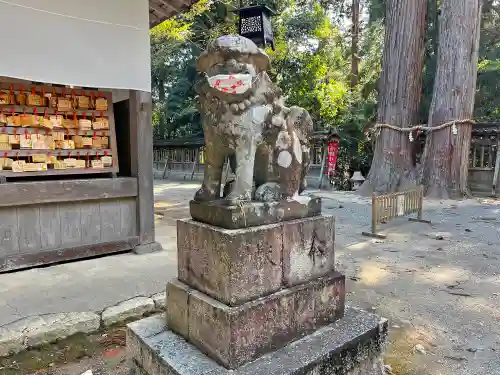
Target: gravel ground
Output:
[(438, 284)]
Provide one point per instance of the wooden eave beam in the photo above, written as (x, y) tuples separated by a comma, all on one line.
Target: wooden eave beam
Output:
[(168, 5), (159, 10)]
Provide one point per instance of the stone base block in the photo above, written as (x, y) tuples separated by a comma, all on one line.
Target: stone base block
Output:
[(152, 247), (252, 214), (237, 266), (236, 335), (350, 346)]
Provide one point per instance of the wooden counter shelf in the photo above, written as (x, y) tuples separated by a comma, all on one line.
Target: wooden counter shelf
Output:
[(57, 152), (44, 131), (80, 153), (90, 113), (58, 172)]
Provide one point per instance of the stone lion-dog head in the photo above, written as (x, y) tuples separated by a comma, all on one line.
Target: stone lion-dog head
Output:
[(234, 75)]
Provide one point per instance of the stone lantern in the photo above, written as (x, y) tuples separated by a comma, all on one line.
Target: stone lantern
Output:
[(255, 24), (357, 180)]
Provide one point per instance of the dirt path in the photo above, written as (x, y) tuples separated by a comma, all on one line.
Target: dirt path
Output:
[(439, 285)]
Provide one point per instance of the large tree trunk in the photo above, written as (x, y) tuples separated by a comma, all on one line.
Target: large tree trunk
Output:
[(446, 156), (400, 93), (355, 10)]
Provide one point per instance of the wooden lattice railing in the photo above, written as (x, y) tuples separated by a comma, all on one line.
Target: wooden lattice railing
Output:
[(390, 206)]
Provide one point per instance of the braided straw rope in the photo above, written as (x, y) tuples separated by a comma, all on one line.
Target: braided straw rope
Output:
[(423, 127)]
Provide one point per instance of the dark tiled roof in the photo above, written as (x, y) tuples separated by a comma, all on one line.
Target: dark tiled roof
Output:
[(161, 10)]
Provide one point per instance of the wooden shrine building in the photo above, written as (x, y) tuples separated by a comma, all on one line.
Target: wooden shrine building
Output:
[(484, 160), (75, 128)]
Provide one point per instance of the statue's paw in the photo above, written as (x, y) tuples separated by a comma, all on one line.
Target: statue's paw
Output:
[(204, 195), (234, 199), (269, 192)]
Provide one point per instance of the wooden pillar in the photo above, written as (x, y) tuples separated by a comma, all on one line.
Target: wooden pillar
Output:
[(497, 169), (196, 162), (141, 154), (323, 165)]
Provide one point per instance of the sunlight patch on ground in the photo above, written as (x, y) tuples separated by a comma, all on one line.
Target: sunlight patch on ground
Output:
[(165, 204), (441, 276), (357, 246), (160, 188), (373, 273), (400, 354), (492, 201)]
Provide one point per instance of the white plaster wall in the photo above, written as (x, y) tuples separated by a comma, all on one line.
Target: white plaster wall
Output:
[(93, 43)]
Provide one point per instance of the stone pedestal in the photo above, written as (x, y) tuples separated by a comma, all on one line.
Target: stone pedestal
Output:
[(257, 299), (234, 336), (237, 266), (350, 346), (254, 213)]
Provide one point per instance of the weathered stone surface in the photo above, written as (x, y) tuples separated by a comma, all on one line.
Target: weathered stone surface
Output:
[(236, 266), (160, 300), (232, 266), (308, 248), (11, 335), (144, 328), (328, 298), (246, 215), (177, 307), (236, 335), (149, 326), (59, 326), (38, 330), (244, 117), (148, 248), (132, 308), (350, 346)]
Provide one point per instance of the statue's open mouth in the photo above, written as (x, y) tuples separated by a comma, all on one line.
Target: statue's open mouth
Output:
[(231, 83)]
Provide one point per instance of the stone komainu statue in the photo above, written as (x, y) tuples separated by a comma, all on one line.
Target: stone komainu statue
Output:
[(244, 118)]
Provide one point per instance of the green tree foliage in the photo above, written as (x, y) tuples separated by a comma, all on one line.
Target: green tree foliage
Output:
[(487, 107), (175, 46), (311, 63), (487, 104)]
